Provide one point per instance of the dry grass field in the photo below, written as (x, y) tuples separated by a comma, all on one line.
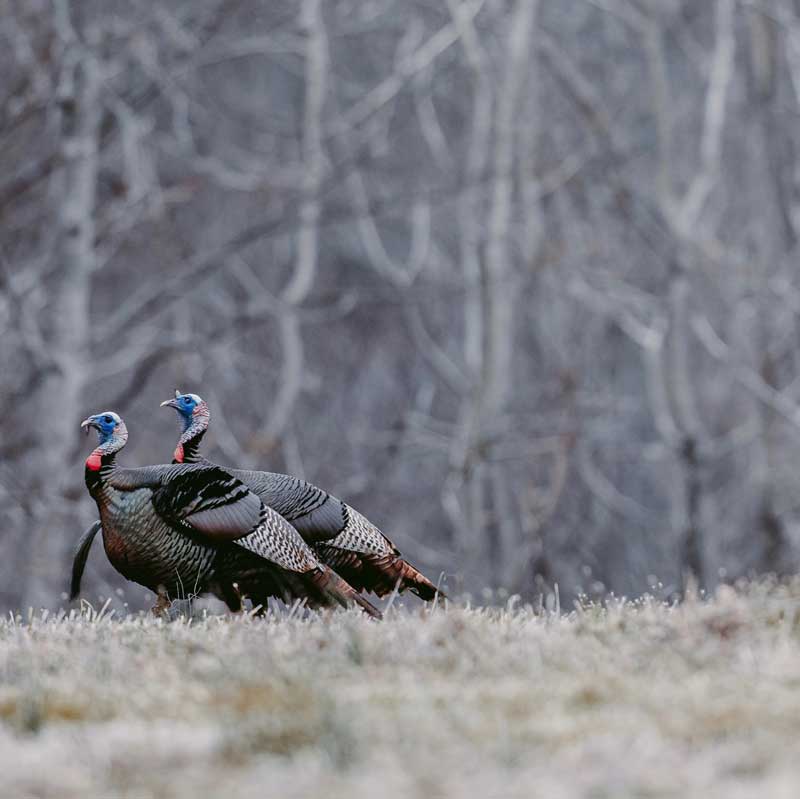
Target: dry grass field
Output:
[(619, 700)]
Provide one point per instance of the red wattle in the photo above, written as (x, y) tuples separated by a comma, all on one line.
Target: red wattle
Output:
[(178, 454), (94, 461)]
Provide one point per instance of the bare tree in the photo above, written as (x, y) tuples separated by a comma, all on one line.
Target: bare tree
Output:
[(516, 278)]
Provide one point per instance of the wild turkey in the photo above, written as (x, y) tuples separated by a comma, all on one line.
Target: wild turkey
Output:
[(340, 535), (183, 530)]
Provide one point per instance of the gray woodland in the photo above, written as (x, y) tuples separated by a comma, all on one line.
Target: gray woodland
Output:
[(517, 279)]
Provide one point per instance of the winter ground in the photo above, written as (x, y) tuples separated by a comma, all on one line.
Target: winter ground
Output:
[(626, 700)]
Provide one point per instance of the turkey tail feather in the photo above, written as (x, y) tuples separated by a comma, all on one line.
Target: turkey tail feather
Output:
[(381, 574), (417, 582), (335, 590), (80, 557)]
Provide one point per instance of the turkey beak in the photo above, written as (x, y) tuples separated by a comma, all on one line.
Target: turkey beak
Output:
[(87, 423), (170, 403)]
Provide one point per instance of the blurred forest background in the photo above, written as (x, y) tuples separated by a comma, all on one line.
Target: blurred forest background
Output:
[(516, 278)]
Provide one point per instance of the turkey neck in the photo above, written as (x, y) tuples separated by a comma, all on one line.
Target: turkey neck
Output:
[(188, 449), (97, 480), (191, 446)]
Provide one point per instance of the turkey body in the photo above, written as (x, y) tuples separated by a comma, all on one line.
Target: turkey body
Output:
[(146, 549)]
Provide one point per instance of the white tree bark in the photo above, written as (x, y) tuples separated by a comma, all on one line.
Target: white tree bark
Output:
[(488, 526), (60, 398), (307, 245)]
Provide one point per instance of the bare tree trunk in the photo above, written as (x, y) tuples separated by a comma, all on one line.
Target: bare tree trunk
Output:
[(61, 394), (693, 556), (689, 452), (777, 236), (684, 431), (463, 487), (490, 293), (307, 247), (502, 277)]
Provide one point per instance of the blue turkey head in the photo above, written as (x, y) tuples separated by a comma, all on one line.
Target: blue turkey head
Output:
[(185, 405), (105, 423)]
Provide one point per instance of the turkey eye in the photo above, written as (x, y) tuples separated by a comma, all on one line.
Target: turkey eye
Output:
[(107, 419), (186, 400)]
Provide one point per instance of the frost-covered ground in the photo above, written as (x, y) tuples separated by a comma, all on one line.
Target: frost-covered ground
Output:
[(635, 700)]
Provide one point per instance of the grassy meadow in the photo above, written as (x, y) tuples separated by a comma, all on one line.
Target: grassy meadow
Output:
[(614, 700)]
